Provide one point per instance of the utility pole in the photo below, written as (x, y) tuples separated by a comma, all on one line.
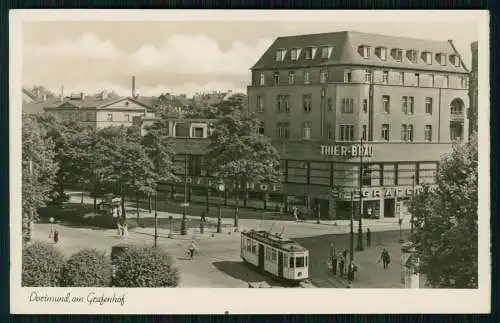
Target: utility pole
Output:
[(412, 202), (351, 232), (359, 246)]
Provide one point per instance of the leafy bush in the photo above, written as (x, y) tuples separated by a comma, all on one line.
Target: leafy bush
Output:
[(87, 268), (42, 264), (145, 267)]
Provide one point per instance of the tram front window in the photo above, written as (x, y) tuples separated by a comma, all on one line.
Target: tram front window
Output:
[(299, 262), (292, 262)]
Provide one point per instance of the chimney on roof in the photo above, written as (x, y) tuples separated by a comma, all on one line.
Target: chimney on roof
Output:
[(133, 86)]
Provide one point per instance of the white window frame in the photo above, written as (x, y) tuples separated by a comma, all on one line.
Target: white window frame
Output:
[(383, 53), (280, 54), (385, 128), (323, 75), (428, 58), (428, 132), (347, 76), (368, 76), (386, 102), (385, 77), (306, 130), (428, 105), (260, 104), (262, 79), (291, 77), (307, 77), (276, 80), (294, 54), (365, 51)]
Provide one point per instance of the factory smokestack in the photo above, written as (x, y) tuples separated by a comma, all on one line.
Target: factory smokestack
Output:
[(133, 86)]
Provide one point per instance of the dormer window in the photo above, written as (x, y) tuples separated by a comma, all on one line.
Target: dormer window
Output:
[(326, 51), (381, 52), (280, 54), (441, 58), (294, 54), (427, 57), (309, 52), (455, 60), (364, 51), (411, 55), (397, 54)]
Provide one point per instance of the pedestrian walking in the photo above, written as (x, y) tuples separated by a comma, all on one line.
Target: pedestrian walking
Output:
[(191, 249), (368, 237), (56, 236), (345, 253), (334, 260), (341, 265), (203, 218), (386, 258), (351, 271), (296, 213)]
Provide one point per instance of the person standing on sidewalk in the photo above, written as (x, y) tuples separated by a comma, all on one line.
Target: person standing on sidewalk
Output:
[(56, 236), (203, 218), (368, 237), (341, 265), (351, 270), (386, 258), (296, 213), (334, 260)]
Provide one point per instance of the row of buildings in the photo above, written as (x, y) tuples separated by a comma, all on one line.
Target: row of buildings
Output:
[(351, 114)]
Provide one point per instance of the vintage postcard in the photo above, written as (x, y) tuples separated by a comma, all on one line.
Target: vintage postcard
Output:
[(175, 161)]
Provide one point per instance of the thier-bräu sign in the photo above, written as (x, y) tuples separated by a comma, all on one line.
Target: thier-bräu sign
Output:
[(347, 151)]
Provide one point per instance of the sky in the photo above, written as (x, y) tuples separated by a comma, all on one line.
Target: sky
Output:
[(183, 56)]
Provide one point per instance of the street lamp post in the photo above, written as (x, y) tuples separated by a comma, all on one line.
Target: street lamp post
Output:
[(185, 204), (412, 202), (51, 227), (359, 246), (170, 233), (351, 232), (156, 221)]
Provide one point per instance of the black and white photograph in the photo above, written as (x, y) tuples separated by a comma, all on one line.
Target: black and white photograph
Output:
[(330, 156)]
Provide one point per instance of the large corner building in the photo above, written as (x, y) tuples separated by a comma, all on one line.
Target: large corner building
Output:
[(338, 103), (355, 117)]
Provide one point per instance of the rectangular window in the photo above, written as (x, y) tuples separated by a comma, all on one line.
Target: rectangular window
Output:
[(412, 55), (410, 132), (463, 82), (364, 131), (412, 105), (294, 54), (347, 77), (306, 77), (428, 58), (276, 78), (323, 76), (325, 52), (365, 106), (404, 104), (330, 132), (307, 102), (299, 262), (428, 105), (330, 105), (397, 54), (291, 77), (280, 55), (417, 79), (308, 53), (346, 132), (262, 79), (292, 262), (347, 105), (110, 116), (404, 133), (306, 131), (260, 104), (283, 130), (383, 53), (283, 103), (446, 81), (385, 132), (386, 104), (368, 76), (402, 78), (385, 77), (127, 117), (428, 132), (441, 58)]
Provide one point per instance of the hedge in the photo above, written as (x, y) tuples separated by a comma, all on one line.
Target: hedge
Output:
[(87, 268), (42, 265), (145, 267)]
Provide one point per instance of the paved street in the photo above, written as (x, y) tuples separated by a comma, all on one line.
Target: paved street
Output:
[(219, 265)]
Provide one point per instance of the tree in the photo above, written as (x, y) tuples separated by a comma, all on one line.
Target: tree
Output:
[(239, 155), (130, 168), (446, 230), (38, 172)]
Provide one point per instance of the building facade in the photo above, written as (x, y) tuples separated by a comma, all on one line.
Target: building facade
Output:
[(355, 118), (473, 84), (98, 112), (327, 99)]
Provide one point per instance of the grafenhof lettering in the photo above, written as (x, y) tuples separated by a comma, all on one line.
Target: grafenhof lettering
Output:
[(347, 151), (218, 185), (379, 192)]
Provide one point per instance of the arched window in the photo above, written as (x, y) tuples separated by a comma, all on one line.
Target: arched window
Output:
[(457, 108)]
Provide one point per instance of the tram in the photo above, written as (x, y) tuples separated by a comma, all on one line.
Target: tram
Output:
[(282, 258)]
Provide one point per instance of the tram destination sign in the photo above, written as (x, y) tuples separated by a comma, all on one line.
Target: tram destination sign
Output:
[(347, 150)]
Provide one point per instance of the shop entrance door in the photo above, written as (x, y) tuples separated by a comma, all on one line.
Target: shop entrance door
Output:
[(389, 208)]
